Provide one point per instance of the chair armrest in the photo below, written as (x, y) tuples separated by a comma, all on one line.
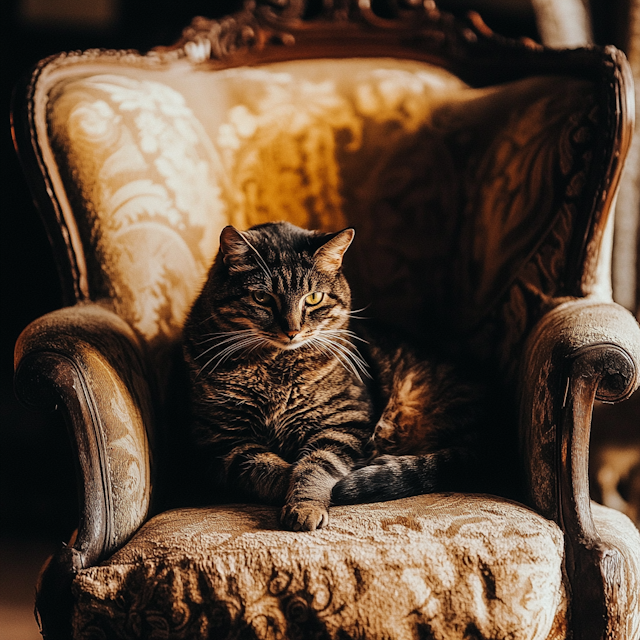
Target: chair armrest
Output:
[(577, 340), (580, 351), (87, 361)]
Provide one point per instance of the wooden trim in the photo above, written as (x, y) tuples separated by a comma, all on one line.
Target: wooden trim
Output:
[(617, 102), (61, 229), (607, 372), (48, 380)]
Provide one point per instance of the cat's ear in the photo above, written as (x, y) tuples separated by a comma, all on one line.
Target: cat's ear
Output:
[(329, 256), (234, 249)]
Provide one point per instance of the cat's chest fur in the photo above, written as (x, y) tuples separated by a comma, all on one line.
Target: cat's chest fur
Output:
[(286, 400)]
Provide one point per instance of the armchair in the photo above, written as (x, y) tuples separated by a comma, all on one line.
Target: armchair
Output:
[(480, 173)]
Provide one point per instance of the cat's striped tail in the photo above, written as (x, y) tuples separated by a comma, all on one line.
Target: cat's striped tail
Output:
[(391, 477)]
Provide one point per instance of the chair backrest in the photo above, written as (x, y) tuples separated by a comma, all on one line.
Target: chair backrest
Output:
[(478, 172)]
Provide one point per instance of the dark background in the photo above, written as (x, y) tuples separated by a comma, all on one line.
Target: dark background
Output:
[(37, 489)]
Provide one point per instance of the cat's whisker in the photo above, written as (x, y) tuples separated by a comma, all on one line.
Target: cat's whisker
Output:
[(262, 343), (262, 264), (327, 347), (232, 335), (227, 352), (312, 343), (353, 313), (231, 349), (366, 306), (226, 333), (351, 355), (358, 360), (338, 334), (352, 350), (319, 347), (222, 342), (339, 341), (219, 360)]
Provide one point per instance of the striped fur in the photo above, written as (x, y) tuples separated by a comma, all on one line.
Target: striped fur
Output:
[(284, 406)]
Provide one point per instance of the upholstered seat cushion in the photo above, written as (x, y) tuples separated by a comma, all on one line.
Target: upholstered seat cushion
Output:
[(438, 566)]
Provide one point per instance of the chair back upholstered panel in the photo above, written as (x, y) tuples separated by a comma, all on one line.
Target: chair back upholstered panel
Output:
[(450, 188)]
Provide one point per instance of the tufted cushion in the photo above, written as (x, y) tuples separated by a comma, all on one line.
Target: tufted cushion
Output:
[(446, 567)]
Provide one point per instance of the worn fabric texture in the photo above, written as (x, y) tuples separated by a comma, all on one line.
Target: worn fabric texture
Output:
[(103, 354), (440, 566), (618, 531)]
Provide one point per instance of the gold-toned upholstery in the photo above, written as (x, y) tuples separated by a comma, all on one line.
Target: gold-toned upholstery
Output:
[(479, 180), (399, 149), (447, 563)]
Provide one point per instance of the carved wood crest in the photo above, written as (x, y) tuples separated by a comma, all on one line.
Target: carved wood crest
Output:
[(261, 24)]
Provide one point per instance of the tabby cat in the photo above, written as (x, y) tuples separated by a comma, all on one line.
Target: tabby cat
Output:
[(294, 404)]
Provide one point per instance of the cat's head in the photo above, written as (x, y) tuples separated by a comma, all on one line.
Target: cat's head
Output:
[(281, 284)]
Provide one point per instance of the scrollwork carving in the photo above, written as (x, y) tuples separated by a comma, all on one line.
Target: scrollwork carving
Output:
[(251, 28), (263, 22)]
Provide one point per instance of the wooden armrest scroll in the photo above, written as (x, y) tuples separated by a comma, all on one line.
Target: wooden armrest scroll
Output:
[(562, 338), (606, 371)]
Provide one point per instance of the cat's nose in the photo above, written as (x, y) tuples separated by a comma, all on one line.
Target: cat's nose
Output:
[(292, 333)]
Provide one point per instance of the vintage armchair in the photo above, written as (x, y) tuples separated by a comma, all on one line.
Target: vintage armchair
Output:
[(480, 174)]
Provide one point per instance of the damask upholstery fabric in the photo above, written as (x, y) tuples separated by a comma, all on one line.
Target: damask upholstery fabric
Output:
[(144, 173), (419, 162), (442, 566)]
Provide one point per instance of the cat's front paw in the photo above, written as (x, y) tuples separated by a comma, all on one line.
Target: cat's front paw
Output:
[(306, 515)]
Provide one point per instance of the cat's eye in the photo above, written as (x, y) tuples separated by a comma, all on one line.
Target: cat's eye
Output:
[(261, 297), (314, 298)]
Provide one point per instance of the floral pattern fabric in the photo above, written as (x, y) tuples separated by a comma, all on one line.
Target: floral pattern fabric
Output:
[(149, 181), (446, 567), (447, 198)]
